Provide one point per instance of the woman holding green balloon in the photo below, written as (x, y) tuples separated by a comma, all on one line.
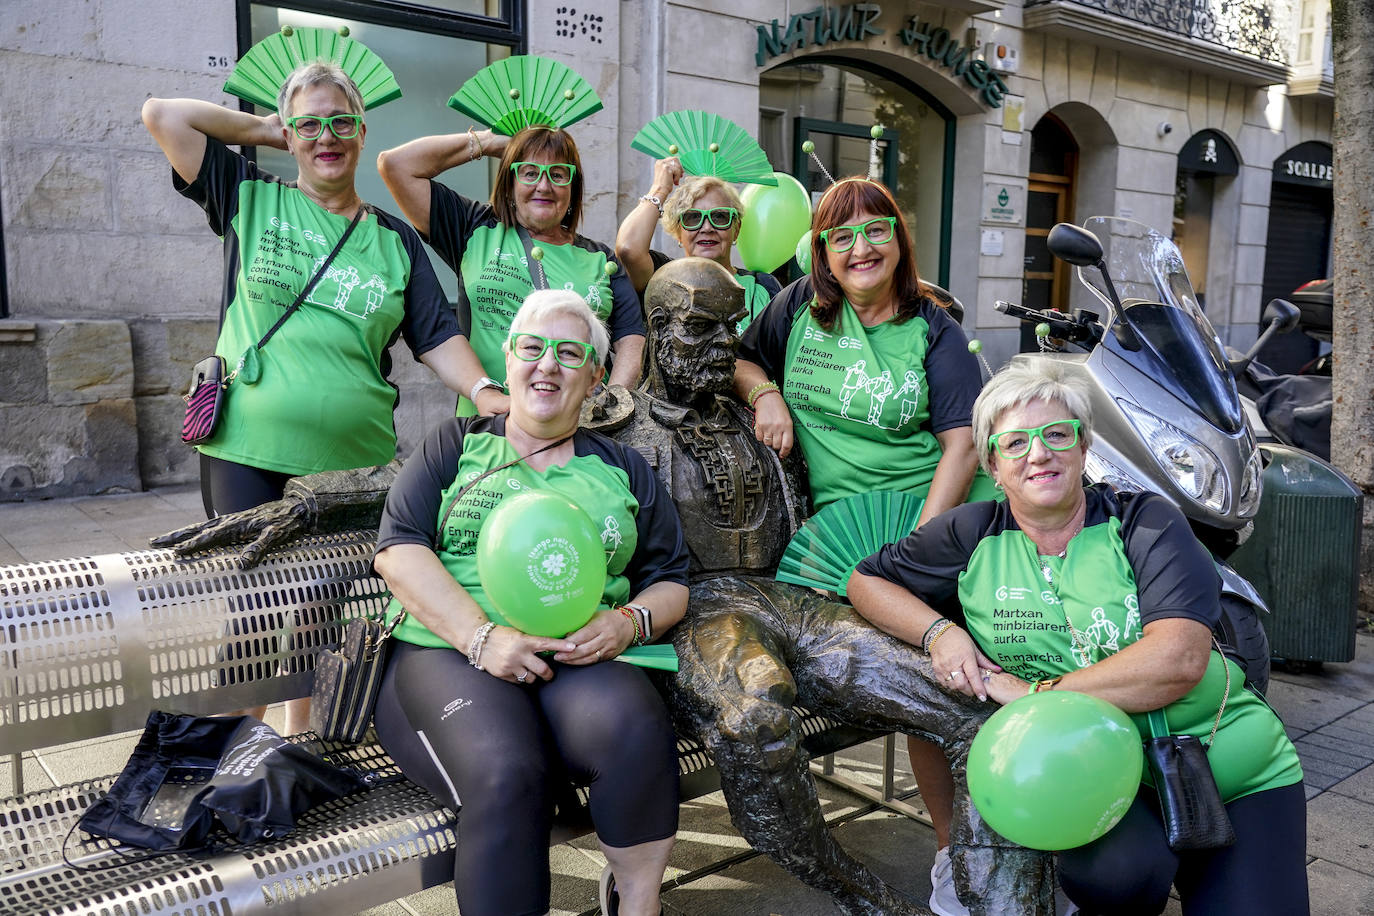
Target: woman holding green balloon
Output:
[(489, 717), (703, 214), (1067, 588)]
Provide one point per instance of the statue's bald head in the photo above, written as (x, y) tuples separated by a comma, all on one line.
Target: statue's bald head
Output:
[(693, 306)]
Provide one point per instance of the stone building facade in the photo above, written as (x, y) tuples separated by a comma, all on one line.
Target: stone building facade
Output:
[(1000, 118)]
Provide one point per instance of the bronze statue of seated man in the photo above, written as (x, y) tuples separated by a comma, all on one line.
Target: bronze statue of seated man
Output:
[(750, 647)]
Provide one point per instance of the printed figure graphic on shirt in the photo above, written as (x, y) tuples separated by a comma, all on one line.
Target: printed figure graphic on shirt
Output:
[(910, 383), (1132, 618), (878, 390), (376, 292), (610, 535), (855, 379), (1101, 625)]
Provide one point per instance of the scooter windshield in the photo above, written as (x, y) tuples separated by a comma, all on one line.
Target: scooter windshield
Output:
[(1179, 348)]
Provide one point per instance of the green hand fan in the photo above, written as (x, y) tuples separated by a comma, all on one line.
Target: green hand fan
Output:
[(827, 547), (656, 655), (260, 74), (523, 91), (706, 144)]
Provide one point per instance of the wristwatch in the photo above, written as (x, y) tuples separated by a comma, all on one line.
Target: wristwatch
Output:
[(646, 619), (484, 382)]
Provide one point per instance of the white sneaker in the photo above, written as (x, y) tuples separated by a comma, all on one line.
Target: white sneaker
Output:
[(943, 900)]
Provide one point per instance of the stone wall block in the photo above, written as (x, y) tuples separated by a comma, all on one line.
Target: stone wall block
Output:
[(144, 201), (23, 373), (44, 27), (165, 350), (161, 33), (50, 451), (88, 361), (58, 187), (163, 459)]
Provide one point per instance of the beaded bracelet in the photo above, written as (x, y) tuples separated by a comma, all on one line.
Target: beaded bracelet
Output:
[(474, 146), (479, 639), (933, 625), (759, 391), (630, 615), (945, 628)]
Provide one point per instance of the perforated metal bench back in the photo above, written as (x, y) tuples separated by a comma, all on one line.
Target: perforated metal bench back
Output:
[(89, 645)]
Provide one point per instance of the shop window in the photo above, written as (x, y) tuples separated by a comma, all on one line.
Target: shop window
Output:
[(431, 49), (1194, 193), (834, 104)]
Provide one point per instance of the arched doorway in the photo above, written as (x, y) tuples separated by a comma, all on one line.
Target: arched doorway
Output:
[(1049, 200), (834, 102), (1299, 242)]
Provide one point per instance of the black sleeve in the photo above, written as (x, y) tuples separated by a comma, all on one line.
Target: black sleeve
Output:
[(452, 220), (765, 340), (661, 554), (627, 316), (658, 258), (1174, 574), (428, 319), (928, 561), (216, 188), (411, 514), (952, 372)]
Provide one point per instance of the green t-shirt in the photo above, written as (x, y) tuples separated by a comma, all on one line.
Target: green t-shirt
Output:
[(611, 483), (496, 276), (316, 397), (866, 403), (1134, 562)]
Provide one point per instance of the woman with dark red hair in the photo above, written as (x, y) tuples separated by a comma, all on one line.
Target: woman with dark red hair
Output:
[(861, 366)]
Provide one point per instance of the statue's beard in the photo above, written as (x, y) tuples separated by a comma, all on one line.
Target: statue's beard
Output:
[(711, 371)]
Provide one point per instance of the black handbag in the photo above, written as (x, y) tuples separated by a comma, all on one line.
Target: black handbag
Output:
[(1194, 815), (210, 386), (344, 692), (187, 773)]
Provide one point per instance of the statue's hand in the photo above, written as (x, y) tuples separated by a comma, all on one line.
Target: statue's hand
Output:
[(260, 529), (608, 409)]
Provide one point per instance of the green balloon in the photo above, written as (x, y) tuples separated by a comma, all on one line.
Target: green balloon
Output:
[(803, 254), (774, 220), (542, 564), (1055, 769)]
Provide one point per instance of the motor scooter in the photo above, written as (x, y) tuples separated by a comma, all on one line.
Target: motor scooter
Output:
[(1166, 414)]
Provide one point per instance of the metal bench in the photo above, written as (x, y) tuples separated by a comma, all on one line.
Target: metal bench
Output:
[(88, 646)]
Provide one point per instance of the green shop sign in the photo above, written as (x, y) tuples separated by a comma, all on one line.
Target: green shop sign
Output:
[(856, 22)]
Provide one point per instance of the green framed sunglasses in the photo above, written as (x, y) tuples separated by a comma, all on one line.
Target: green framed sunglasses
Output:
[(1057, 436), (879, 231), (570, 354), (721, 218), (560, 173), (312, 127)]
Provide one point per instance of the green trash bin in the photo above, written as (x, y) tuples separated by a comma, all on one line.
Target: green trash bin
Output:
[(1304, 556)]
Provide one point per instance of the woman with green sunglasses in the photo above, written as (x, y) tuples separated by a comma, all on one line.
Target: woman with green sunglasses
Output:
[(860, 365), (704, 215), (536, 203)]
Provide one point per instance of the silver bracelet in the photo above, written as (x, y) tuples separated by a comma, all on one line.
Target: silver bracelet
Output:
[(474, 147), (658, 204), (479, 639), (481, 383)]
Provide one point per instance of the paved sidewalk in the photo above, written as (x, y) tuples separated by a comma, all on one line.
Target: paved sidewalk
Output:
[(1329, 714)]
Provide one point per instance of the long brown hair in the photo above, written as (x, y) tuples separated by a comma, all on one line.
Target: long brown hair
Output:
[(530, 144), (838, 207)]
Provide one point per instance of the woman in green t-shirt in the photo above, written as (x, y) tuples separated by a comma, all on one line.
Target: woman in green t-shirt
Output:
[(860, 366), (704, 215), (1071, 588), (536, 202)]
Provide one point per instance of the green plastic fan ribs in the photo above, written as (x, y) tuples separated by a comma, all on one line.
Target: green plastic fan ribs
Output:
[(261, 72), (827, 547), (706, 144), (524, 91)]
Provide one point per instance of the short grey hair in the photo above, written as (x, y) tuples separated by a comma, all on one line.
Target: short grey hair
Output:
[(1023, 381), (546, 303), (688, 192), (315, 73)]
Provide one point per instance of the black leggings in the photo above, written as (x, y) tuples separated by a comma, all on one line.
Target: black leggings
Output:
[(502, 750), (1129, 870), (226, 486)]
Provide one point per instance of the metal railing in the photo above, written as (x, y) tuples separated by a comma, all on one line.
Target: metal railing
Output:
[(1248, 28)]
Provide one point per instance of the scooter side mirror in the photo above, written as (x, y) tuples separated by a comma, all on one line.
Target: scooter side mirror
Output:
[(1075, 245), (1280, 314)]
